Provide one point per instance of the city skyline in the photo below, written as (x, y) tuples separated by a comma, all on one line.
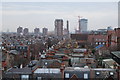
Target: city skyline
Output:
[(32, 14), (59, 40)]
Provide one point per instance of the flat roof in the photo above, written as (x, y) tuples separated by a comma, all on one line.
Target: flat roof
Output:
[(108, 60), (47, 70), (76, 69), (116, 53), (19, 71), (103, 69)]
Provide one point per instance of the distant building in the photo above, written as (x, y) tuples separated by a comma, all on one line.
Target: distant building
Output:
[(80, 38), (19, 30), (36, 31), (68, 26), (77, 31), (109, 28), (83, 25), (98, 37), (65, 32), (45, 31), (114, 39), (107, 37), (59, 27), (23, 49), (25, 31), (117, 31)]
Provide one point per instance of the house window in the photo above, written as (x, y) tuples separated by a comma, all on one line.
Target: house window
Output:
[(67, 75), (85, 76), (97, 73), (103, 43), (96, 43), (23, 47), (1, 47), (99, 42), (39, 78), (24, 77), (20, 47), (111, 73)]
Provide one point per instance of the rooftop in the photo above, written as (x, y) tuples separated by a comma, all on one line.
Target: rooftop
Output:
[(76, 69), (19, 71), (47, 70), (116, 53)]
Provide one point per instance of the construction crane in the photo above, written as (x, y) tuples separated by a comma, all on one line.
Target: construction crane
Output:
[(79, 17), (78, 30)]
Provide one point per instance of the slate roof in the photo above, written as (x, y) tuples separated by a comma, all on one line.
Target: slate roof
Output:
[(49, 62), (116, 53), (19, 71)]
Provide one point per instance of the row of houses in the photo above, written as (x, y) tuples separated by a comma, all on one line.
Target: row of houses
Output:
[(58, 63), (16, 47), (68, 59), (61, 73)]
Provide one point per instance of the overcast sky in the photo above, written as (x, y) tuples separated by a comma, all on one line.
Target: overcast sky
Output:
[(43, 14)]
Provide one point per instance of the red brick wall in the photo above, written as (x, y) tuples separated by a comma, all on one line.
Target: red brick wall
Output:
[(92, 38)]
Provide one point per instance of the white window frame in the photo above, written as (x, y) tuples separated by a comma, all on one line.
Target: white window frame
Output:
[(100, 43), (67, 75), (39, 78), (24, 77), (96, 43), (85, 75)]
